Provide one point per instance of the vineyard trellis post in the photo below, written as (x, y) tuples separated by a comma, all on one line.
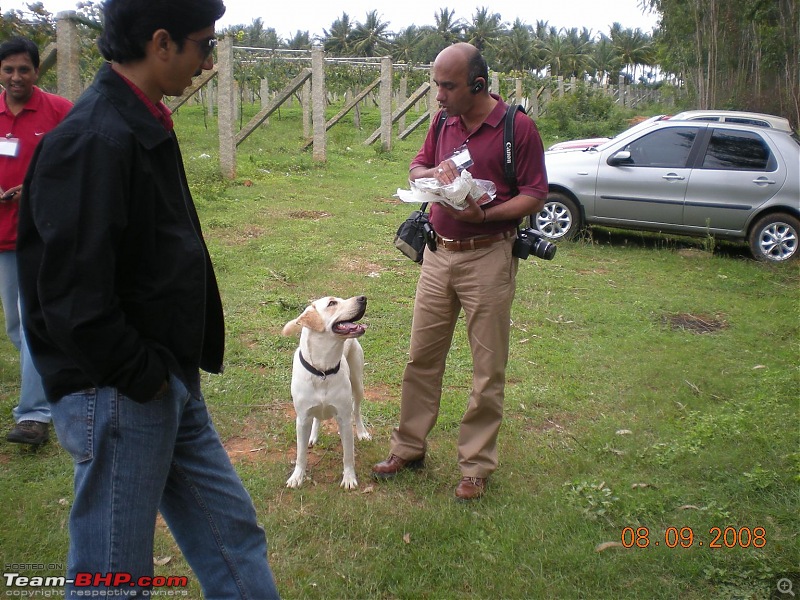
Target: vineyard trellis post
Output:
[(623, 96), (402, 94), (318, 101), (68, 51), (263, 92), (226, 107), (305, 95), (386, 102), (433, 90)]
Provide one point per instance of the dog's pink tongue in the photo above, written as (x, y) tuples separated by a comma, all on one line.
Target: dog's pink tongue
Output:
[(346, 327)]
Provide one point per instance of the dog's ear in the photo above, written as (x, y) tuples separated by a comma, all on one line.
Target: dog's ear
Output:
[(291, 328), (311, 319)]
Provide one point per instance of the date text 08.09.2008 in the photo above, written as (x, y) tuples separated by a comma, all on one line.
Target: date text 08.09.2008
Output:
[(684, 537)]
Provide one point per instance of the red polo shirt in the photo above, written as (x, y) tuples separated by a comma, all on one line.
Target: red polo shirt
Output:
[(486, 149), (41, 113)]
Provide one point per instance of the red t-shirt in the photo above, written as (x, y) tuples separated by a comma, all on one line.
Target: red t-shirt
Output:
[(42, 113), (486, 149)]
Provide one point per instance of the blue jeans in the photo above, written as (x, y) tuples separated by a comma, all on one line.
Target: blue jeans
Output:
[(133, 460), (33, 404)]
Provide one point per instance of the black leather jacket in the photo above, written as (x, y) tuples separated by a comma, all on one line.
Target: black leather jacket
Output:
[(116, 283)]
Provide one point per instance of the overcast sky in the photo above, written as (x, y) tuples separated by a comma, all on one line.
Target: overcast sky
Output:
[(288, 17)]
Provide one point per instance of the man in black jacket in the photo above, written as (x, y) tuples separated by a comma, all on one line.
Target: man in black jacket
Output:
[(122, 309)]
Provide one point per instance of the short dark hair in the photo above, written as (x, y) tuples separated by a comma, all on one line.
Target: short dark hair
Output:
[(129, 24), (20, 45), (477, 67)]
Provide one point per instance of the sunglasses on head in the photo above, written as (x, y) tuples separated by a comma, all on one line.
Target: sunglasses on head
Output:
[(206, 46)]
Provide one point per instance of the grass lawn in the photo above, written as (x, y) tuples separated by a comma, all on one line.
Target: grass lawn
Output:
[(651, 402)]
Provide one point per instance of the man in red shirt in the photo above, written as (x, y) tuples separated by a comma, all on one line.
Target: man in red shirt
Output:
[(472, 268), (26, 114)]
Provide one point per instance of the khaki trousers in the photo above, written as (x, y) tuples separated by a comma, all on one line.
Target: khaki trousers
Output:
[(482, 282)]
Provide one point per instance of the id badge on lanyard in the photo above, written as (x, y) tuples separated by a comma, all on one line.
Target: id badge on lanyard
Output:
[(9, 147), (462, 158)]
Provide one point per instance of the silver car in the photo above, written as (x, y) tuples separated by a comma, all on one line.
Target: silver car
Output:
[(687, 177)]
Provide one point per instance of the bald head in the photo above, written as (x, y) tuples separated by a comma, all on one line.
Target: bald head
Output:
[(461, 75), (466, 58)]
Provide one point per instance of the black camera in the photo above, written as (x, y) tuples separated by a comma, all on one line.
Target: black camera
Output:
[(529, 241), (430, 235)]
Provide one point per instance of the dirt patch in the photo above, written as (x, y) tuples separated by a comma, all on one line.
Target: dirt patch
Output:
[(694, 253), (361, 266), (252, 445), (237, 236), (381, 393), (247, 449), (696, 323), (599, 271), (559, 423), (312, 215)]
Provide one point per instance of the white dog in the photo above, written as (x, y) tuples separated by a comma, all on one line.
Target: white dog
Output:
[(327, 378)]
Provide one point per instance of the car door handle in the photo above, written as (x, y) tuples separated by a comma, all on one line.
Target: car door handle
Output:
[(673, 177), (764, 180)]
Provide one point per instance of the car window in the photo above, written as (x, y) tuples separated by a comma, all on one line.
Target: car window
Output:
[(663, 148), (745, 121), (736, 150)]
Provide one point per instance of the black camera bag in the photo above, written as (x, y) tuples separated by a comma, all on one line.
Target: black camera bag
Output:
[(411, 238)]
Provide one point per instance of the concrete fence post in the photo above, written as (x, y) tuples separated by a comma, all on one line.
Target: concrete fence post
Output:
[(68, 56), (318, 101), (306, 101), (226, 107), (402, 96), (386, 102)]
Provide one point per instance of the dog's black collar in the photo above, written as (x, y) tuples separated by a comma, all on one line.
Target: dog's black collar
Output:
[(314, 370)]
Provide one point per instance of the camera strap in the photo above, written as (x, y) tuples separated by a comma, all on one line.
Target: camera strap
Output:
[(508, 145)]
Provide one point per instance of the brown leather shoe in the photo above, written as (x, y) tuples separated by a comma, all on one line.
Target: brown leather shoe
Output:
[(34, 433), (471, 488), (394, 464)]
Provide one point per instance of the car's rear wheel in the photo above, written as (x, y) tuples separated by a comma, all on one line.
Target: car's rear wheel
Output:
[(560, 219), (775, 237)]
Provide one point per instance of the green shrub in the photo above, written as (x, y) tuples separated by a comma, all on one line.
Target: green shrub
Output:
[(583, 114)]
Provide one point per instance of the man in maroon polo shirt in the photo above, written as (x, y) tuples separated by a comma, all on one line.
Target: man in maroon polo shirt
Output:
[(473, 268), (26, 114)]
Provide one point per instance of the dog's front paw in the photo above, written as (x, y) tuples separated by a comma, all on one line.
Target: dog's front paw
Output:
[(361, 430), (296, 480), (349, 481)]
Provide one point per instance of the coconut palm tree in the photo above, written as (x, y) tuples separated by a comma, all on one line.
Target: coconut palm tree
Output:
[(557, 52), (404, 44), (300, 41), (577, 61), (633, 47), (516, 49), (447, 27), (605, 61), (485, 30), (336, 41), (371, 37)]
